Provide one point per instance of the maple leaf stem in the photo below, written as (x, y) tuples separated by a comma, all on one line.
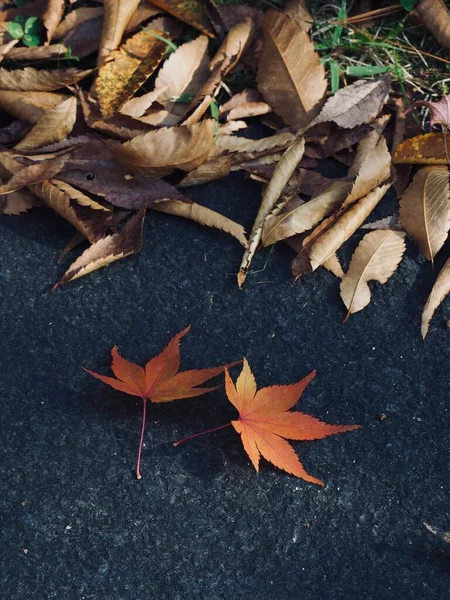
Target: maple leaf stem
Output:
[(191, 437), (144, 417)]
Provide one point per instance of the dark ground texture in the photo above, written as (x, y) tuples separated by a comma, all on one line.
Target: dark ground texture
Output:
[(202, 523)]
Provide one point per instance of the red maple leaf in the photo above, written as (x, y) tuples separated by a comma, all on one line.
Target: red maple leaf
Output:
[(265, 422), (159, 380)]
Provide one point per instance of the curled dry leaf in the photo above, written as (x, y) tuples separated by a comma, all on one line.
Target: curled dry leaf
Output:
[(116, 17), (430, 149), (183, 73), (376, 258), (356, 104), (425, 209), (52, 17), (329, 237), (226, 57), (290, 75), (53, 125), (34, 173), (128, 68), (158, 153), (439, 111), (182, 207), (191, 12), (37, 80), (108, 249), (18, 202), (86, 215), (29, 106), (248, 103), (436, 17), (283, 172), (440, 290)]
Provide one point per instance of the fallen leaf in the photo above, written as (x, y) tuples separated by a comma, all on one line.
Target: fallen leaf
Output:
[(159, 381), (117, 16), (333, 265), (191, 12), (435, 16), (281, 176), (83, 39), (290, 75), (356, 104), (158, 153), (29, 106), (37, 80), (248, 103), (129, 68), (52, 17), (425, 209), (265, 422), (201, 214), (392, 222), (298, 11), (18, 202), (34, 173), (440, 290), (53, 125), (439, 111), (107, 250), (75, 18), (376, 258), (429, 148)]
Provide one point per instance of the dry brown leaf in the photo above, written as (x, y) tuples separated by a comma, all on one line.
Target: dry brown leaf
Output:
[(184, 72), (226, 57), (425, 209), (86, 215), (29, 106), (191, 12), (298, 11), (322, 244), (290, 75), (201, 214), (18, 202), (333, 265), (37, 80), (209, 171), (356, 104), (34, 173), (427, 149), (117, 16), (53, 125), (38, 53), (391, 222), (136, 107), (75, 18), (375, 259), (248, 103), (158, 153), (436, 17), (144, 12), (52, 17), (128, 68), (107, 250), (281, 176), (440, 290)]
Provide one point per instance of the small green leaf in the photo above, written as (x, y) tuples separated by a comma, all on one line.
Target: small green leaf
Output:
[(33, 26), (184, 98), (31, 40), (19, 19), (366, 71), (408, 4), (334, 74), (15, 30)]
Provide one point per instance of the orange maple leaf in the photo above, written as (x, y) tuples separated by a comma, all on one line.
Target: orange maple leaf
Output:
[(159, 380), (265, 422)]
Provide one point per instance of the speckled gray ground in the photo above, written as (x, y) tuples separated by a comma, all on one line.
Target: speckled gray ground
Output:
[(201, 523)]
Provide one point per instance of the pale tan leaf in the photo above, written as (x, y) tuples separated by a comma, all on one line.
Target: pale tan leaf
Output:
[(38, 53), (435, 15), (322, 244), (355, 104), (226, 57), (18, 202), (192, 12), (107, 250), (29, 106), (117, 16), (52, 17), (184, 72), (75, 18), (281, 176), (209, 171), (144, 12), (53, 125), (202, 215), (298, 11), (158, 153), (425, 209), (290, 75), (136, 107), (37, 80), (440, 290), (375, 259), (333, 265), (374, 167), (34, 173), (248, 103)]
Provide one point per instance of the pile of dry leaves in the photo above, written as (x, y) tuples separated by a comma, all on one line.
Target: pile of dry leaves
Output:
[(97, 147)]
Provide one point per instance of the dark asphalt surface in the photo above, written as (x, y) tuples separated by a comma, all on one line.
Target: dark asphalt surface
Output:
[(202, 523)]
